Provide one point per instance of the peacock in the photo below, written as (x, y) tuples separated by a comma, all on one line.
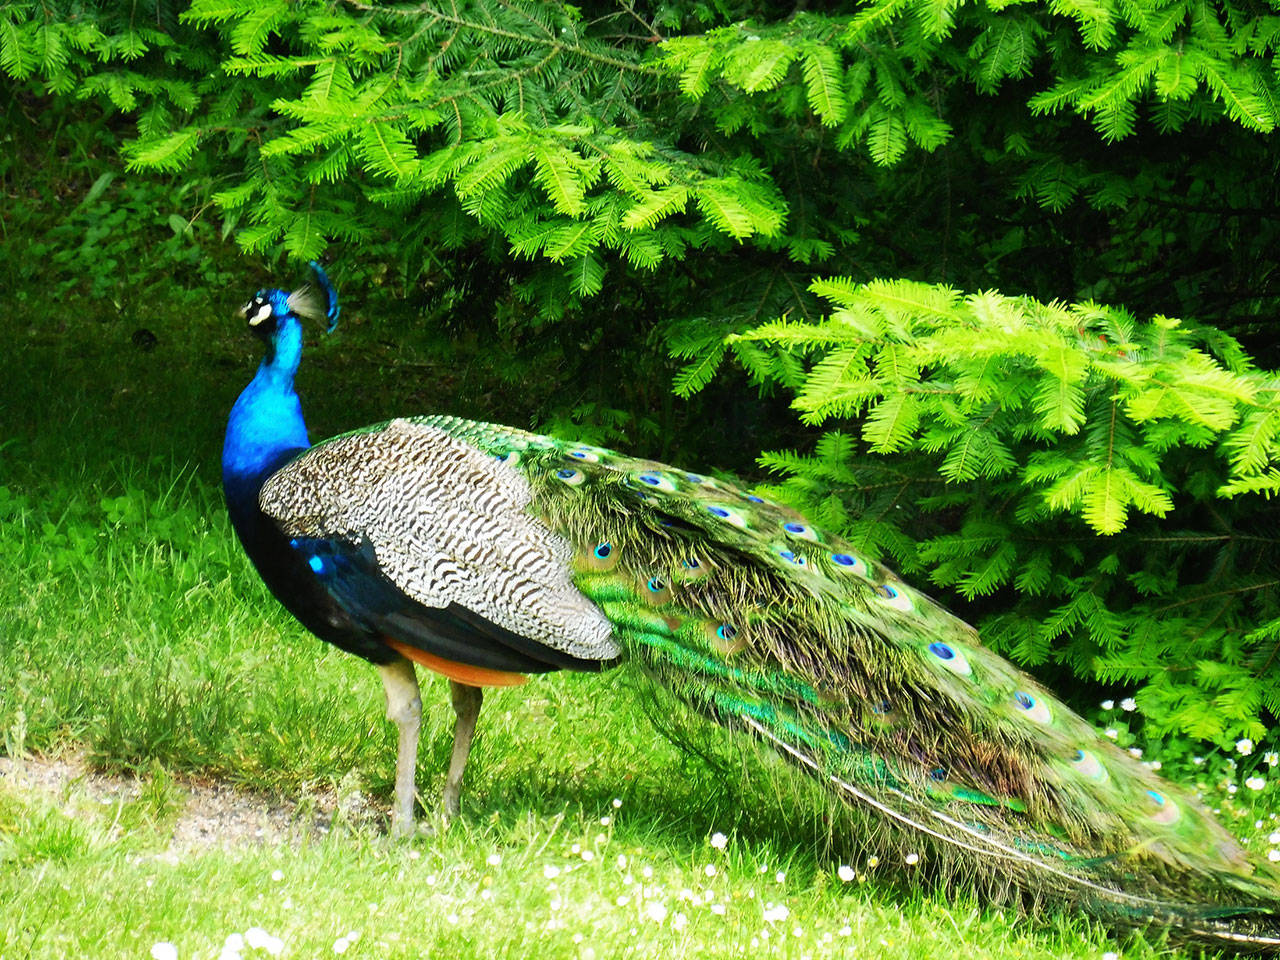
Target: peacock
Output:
[(487, 553)]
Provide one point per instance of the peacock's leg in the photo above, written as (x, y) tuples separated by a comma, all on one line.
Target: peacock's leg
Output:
[(404, 708), (466, 704)]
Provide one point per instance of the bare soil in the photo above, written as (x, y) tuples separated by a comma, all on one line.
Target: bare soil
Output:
[(200, 813)]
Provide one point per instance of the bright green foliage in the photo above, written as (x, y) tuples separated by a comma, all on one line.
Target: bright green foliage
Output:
[(385, 107), (872, 76), (585, 144), (1063, 468)]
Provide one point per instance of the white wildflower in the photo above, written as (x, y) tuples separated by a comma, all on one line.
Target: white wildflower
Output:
[(588, 855), (1135, 752), (1198, 761), (1111, 955), (780, 876), (709, 869), (550, 871), (256, 938), (277, 875), (617, 802), (656, 911), (1273, 855), (341, 945), (873, 862), (234, 942), (164, 951), (605, 821), (913, 859), (494, 860), (775, 913), (845, 873), (719, 841), (1112, 732), (678, 922), (1108, 704), (1256, 783), (1244, 747), (718, 909), (1128, 705), (1271, 758)]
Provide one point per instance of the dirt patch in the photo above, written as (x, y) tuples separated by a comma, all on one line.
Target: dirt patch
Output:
[(199, 813)]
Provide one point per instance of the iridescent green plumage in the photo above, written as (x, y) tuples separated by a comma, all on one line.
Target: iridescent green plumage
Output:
[(754, 618), (485, 553)]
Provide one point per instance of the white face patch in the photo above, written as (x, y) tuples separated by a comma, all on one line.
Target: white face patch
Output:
[(263, 312)]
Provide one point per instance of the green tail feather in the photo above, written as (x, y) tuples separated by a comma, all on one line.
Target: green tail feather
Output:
[(747, 614)]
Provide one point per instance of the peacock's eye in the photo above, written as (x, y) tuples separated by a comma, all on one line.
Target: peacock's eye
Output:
[(1036, 709), (801, 530), (950, 657)]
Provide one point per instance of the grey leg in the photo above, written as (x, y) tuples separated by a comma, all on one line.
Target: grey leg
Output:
[(466, 704), (404, 709)]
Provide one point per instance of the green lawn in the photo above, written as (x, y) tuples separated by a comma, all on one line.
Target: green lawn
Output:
[(134, 631)]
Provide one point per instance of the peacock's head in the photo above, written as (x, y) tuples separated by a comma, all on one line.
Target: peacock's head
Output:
[(271, 311), (267, 312)]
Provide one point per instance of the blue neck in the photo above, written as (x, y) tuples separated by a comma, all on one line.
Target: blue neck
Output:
[(266, 424)]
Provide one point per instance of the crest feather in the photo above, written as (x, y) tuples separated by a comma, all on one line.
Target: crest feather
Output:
[(318, 302), (308, 303)]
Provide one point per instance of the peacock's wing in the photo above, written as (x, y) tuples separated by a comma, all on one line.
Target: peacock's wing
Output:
[(427, 540), (756, 617)]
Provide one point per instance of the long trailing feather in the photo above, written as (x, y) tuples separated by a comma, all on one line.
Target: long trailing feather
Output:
[(752, 617)]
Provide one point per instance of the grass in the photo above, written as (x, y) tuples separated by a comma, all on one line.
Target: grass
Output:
[(504, 885), (134, 630)]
